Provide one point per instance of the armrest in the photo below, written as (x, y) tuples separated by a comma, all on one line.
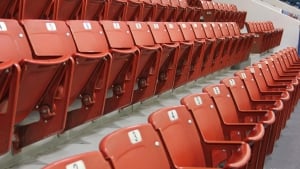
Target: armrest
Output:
[(276, 105), (134, 50), (251, 132), (240, 152), (266, 117), (55, 61)]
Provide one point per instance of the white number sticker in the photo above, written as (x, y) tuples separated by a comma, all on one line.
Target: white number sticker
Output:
[(173, 115), (87, 26), (76, 165), (232, 82), (116, 25), (198, 100), (135, 136), (3, 26), (155, 26), (51, 26), (244, 76), (138, 26), (217, 90)]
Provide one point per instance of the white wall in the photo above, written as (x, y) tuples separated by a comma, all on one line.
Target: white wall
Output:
[(262, 11), (283, 5)]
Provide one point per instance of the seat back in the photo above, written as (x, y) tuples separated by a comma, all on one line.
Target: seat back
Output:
[(238, 92), (31, 9), (118, 34), (198, 30), (93, 10), (90, 160), (250, 83), (141, 33), (91, 72), (67, 10), (148, 66), (205, 114), (159, 32), (125, 57), (124, 146), (208, 29), (197, 52), (186, 149), (224, 102)]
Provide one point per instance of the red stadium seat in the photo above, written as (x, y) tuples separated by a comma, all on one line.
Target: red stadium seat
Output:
[(148, 65), (48, 97), (197, 52), (68, 9), (93, 10), (31, 9), (9, 80), (211, 126), (125, 147), (169, 57), (125, 56), (91, 72), (183, 62), (90, 160), (189, 149), (231, 113), (210, 44)]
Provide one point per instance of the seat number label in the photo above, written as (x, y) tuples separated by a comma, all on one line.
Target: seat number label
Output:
[(3, 26), (116, 25), (51, 26), (232, 82), (135, 136), (87, 26), (173, 115), (76, 165), (138, 26), (198, 100), (217, 90)]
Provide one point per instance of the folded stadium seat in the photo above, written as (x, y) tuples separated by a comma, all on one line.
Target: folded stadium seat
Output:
[(169, 57), (7, 8), (280, 65), (290, 58), (242, 43), (248, 36), (211, 44), (68, 9), (47, 98), (237, 45), (123, 10), (198, 50), (230, 113), (278, 83), (125, 57), (211, 127), (192, 13), (161, 11), (221, 13), (189, 148), (208, 13), (180, 11), (239, 17), (279, 32), (91, 72), (32, 9), (9, 82), (93, 10), (220, 45), (229, 44), (172, 11), (90, 160), (149, 10), (184, 58), (136, 147), (259, 38), (148, 65), (244, 102), (256, 94), (265, 86)]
